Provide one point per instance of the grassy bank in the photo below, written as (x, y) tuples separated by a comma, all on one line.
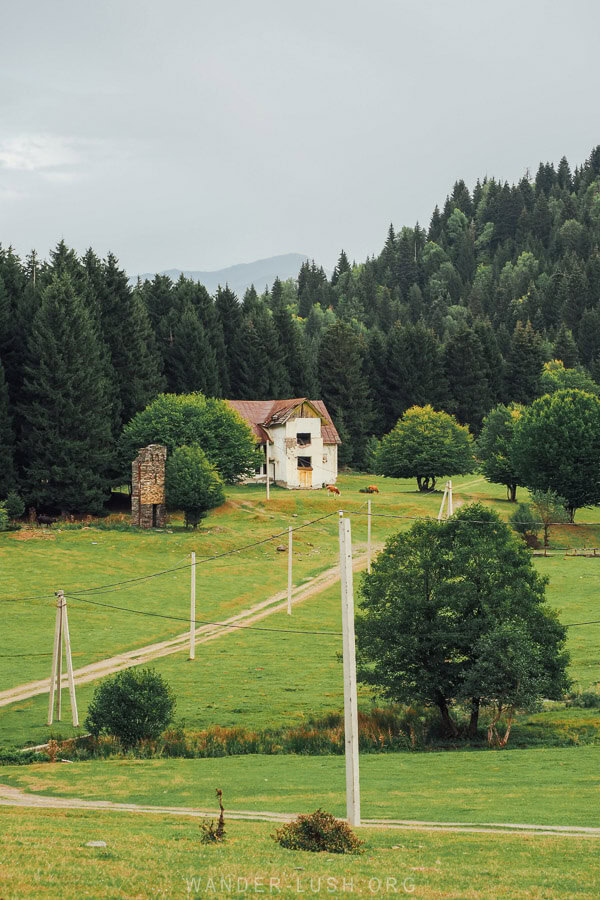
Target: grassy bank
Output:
[(541, 787), (44, 855)]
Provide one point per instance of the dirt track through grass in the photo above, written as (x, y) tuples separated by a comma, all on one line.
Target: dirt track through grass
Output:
[(204, 633)]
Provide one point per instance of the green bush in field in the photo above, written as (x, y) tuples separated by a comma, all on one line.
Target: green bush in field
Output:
[(3, 517), (525, 523), (318, 832), (15, 506), (192, 484), (134, 705)]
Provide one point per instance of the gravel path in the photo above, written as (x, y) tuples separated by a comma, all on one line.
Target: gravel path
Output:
[(204, 633), (11, 796)]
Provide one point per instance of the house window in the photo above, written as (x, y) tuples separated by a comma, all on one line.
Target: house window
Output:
[(262, 470), (305, 462), (304, 438)]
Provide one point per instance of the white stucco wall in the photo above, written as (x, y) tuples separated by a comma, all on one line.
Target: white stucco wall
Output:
[(284, 453)]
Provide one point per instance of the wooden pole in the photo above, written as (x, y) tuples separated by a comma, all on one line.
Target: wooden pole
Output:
[(369, 536), (193, 607), (289, 570), (60, 655), (69, 663), (350, 697), (54, 658), (450, 503), (441, 512), (267, 458)]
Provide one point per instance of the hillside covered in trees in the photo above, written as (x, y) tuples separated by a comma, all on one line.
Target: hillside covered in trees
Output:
[(461, 315)]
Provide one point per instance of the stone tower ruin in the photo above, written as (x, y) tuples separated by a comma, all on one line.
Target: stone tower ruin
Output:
[(148, 487)]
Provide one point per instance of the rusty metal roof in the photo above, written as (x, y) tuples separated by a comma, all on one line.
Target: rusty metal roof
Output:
[(268, 413)]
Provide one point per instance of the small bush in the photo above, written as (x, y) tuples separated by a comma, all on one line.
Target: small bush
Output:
[(134, 706), (14, 505), (3, 517), (584, 700), (525, 523), (318, 832)]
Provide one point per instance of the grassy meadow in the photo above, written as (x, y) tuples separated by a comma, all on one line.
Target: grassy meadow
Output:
[(553, 786), (250, 678), (45, 855)]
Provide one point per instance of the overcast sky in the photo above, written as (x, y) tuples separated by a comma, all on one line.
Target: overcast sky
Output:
[(196, 134)]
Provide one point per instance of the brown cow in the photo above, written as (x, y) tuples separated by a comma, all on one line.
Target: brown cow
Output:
[(332, 489), (372, 489)]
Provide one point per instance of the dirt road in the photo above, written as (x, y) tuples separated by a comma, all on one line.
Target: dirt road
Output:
[(204, 633)]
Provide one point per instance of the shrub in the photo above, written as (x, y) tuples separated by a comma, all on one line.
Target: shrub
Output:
[(15, 506), (525, 523), (318, 832), (584, 700), (134, 705), (3, 517)]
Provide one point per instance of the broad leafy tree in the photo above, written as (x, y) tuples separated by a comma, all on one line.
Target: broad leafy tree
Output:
[(426, 445), (555, 447), (494, 447), (454, 612), (176, 420), (192, 484), (549, 509)]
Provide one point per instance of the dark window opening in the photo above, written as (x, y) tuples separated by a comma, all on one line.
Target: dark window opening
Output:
[(305, 462), (304, 439), (154, 514)]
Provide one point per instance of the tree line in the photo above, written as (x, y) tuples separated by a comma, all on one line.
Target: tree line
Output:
[(462, 315)]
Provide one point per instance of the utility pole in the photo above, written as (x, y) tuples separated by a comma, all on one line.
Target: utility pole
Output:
[(289, 570), (267, 458), (349, 654), (193, 607), (61, 630), (369, 536), (447, 498)]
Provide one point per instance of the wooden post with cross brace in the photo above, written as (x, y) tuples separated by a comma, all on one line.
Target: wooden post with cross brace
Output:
[(61, 631)]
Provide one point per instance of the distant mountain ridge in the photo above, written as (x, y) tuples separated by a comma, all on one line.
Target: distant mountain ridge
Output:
[(261, 272)]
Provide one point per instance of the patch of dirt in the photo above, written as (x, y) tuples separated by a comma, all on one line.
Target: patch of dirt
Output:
[(26, 534)]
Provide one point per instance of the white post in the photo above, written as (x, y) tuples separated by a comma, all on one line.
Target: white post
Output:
[(54, 659), (60, 655), (441, 512), (450, 503), (193, 608), (289, 570), (350, 697), (69, 663), (369, 536), (267, 458)]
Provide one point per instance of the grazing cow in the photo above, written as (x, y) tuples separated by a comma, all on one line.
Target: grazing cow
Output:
[(332, 489), (372, 489), (45, 520)]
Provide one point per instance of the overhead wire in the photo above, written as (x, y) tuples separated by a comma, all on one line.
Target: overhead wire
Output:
[(142, 612)]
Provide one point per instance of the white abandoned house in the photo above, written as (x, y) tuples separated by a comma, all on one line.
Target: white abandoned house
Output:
[(302, 441)]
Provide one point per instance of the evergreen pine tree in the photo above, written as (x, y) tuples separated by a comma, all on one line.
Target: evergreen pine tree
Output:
[(131, 343), (468, 388), (344, 384), (7, 443), (565, 347), (191, 363), (523, 365), (414, 373), (229, 314), (66, 411)]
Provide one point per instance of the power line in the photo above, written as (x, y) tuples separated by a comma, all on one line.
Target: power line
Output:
[(204, 559), (142, 612)]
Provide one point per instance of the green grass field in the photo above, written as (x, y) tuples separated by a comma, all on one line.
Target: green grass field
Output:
[(44, 856), (537, 787), (250, 678)]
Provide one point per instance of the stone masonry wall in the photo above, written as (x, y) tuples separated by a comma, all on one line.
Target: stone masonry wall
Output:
[(148, 508)]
